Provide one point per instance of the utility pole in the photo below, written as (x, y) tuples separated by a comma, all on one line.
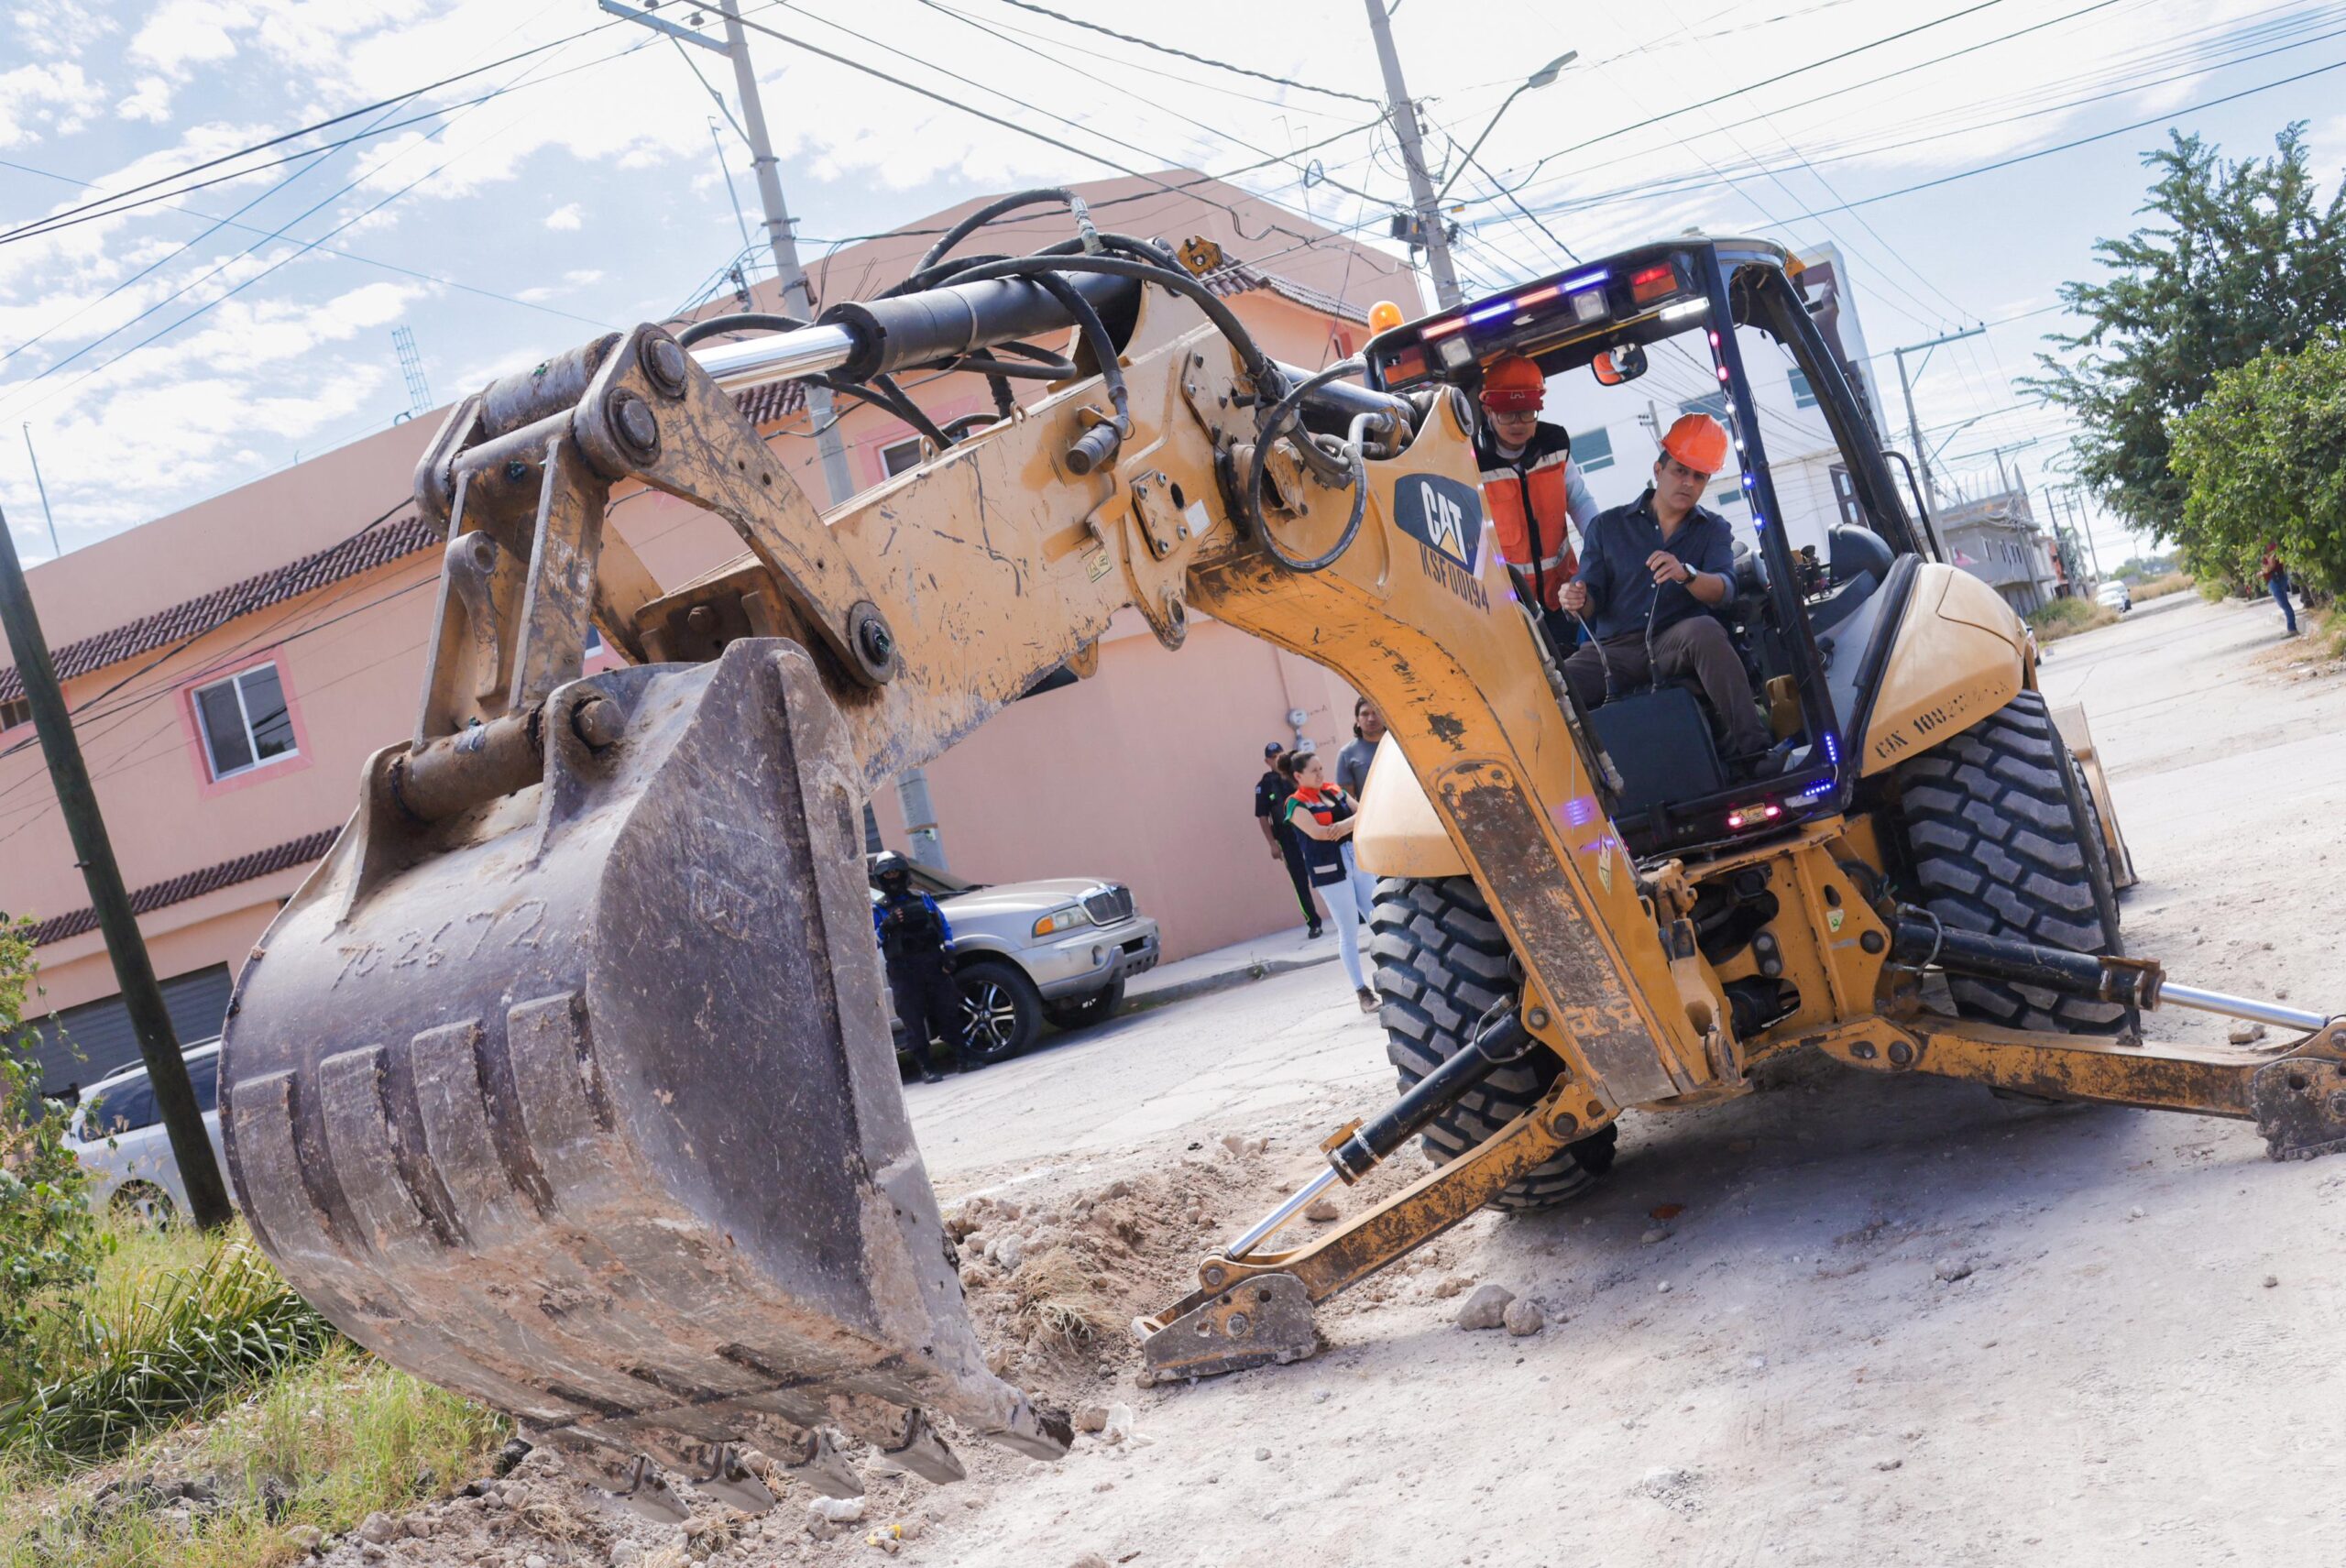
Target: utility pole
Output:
[(207, 1195), (796, 297), (1913, 425), (48, 517), (1403, 113)]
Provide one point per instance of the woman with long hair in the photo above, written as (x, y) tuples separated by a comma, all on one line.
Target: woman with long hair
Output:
[(1323, 815)]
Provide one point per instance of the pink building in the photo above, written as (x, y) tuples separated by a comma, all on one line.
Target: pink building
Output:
[(233, 664)]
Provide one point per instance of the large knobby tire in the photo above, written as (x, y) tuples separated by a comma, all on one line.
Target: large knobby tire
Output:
[(2002, 839), (1442, 965)]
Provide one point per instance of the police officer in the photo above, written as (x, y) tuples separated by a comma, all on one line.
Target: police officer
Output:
[(917, 944)]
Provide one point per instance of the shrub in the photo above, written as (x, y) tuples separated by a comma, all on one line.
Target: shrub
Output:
[(2066, 617), (49, 1243), (177, 1341)]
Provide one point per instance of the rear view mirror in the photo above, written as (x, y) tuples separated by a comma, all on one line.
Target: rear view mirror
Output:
[(1616, 366)]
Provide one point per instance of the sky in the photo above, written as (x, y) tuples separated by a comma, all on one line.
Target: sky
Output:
[(580, 175)]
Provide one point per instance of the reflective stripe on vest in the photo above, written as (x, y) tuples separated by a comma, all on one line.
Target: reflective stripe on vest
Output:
[(1543, 574)]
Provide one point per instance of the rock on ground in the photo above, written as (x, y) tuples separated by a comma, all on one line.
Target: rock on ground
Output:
[(1486, 1308)]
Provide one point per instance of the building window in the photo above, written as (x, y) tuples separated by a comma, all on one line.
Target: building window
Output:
[(1730, 496), (1592, 449), (1711, 404), (244, 721), (14, 711), (1804, 395), (900, 456)]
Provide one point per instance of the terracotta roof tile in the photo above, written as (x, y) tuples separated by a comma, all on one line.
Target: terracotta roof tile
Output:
[(195, 884), (761, 404), (193, 617)]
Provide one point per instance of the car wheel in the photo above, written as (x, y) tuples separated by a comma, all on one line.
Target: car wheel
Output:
[(1082, 1012), (1002, 1007), (144, 1204)]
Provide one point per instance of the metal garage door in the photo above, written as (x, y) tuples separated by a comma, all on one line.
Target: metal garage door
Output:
[(82, 1045)]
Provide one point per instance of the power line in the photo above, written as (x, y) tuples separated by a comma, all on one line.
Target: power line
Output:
[(1185, 54), (307, 130), (1680, 184)]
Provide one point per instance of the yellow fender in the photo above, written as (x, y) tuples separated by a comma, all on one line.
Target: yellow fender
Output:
[(1398, 834)]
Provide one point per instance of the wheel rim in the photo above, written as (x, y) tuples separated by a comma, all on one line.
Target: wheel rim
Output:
[(992, 1015)]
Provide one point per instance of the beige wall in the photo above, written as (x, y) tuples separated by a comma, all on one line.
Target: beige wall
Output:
[(1146, 771)]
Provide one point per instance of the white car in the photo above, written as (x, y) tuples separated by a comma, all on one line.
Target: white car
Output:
[(117, 1134), (2116, 595)]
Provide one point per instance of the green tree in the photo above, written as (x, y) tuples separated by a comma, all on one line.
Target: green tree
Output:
[(48, 1241), (2241, 258), (2262, 459)]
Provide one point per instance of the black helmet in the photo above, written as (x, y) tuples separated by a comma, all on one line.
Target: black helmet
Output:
[(891, 871)]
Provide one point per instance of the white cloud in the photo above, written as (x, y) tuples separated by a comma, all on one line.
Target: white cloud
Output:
[(149, 101), (44, 99), (181, 33), (566, 217), (580, 277)]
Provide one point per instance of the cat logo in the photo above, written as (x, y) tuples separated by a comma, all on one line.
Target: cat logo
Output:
[(1446, 520)]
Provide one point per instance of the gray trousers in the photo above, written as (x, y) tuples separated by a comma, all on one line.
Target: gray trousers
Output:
[(1697, 646)]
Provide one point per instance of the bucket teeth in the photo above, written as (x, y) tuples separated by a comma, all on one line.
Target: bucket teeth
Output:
[(586, 1103)]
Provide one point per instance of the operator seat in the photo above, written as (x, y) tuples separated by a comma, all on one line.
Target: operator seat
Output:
[(1860, 559)]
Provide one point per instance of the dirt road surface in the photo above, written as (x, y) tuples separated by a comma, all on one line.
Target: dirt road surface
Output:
[(2142, 1360)]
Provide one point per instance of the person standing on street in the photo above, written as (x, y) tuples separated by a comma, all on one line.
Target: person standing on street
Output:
[(1323, 813), (1352, 777), (917, 944), (1271, 792), (2276, 581)]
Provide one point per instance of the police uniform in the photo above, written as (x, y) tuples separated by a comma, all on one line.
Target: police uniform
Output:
[(917, 941)]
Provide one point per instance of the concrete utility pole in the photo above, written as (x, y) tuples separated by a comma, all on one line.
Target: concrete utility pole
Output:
[(1423, 206), (912, 788), (207, 1195), (798, 299), (1913, 425)]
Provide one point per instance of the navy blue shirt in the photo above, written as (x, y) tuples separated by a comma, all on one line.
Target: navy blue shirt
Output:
[(1612, 566)]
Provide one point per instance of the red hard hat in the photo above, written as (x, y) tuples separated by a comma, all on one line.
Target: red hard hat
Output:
[(1514, 385), (1699, 441)]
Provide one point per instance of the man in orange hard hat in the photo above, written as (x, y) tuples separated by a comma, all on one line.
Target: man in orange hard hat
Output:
[(1530, 487), (1649, 573)]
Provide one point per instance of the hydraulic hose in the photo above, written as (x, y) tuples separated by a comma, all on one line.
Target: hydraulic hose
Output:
[(1281, 413)]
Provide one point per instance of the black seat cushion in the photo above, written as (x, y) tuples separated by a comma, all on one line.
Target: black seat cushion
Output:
[(1660, 741)]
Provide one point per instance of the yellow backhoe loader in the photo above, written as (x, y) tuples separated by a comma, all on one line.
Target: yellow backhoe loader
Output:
[(567, 1082)]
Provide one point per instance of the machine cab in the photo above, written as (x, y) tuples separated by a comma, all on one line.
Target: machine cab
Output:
[(1810, 618)]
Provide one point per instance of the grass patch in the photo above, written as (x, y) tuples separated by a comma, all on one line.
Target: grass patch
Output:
[(173, 1332), (2159, 588), (2066, 617), (324, 1444)]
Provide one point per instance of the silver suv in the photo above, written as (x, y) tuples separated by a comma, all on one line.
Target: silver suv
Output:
[(118, 1135), (1060, 948)]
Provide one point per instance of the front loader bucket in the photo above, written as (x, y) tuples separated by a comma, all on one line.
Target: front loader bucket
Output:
[(584, 1101)]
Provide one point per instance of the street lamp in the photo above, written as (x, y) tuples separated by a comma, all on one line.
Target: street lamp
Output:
[(1539, 78)]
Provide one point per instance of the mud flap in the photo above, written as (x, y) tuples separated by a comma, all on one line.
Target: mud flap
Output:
[(584, 1102)]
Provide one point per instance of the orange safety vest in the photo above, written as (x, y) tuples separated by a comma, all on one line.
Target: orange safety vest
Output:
[(1525, 499)]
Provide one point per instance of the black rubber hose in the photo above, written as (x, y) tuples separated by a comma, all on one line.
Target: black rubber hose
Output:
[(1112, 369), (1268, 432), (996, 208), (1259, 367), (742, 320)]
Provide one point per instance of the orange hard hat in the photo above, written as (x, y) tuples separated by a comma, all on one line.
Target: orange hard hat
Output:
[(1699, 441), (1513, 384)]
